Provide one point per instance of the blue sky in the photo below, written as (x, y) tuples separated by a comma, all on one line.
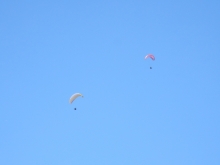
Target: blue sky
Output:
[(130, 114)]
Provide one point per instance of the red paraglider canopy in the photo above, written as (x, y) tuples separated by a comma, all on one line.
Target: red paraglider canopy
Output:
[(150, 56)]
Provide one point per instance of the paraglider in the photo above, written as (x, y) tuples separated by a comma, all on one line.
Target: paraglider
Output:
[(150, 56), (73, 97)]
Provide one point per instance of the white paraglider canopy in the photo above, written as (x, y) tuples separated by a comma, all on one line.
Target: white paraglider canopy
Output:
[(74, 96)]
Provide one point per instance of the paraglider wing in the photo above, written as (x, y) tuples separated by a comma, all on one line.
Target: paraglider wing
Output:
[(150, 56), (74, 96)]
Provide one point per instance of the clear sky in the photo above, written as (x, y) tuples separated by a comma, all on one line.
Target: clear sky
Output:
[(130, 114)]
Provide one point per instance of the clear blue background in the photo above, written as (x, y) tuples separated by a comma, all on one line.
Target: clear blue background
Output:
[(130, 114)]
